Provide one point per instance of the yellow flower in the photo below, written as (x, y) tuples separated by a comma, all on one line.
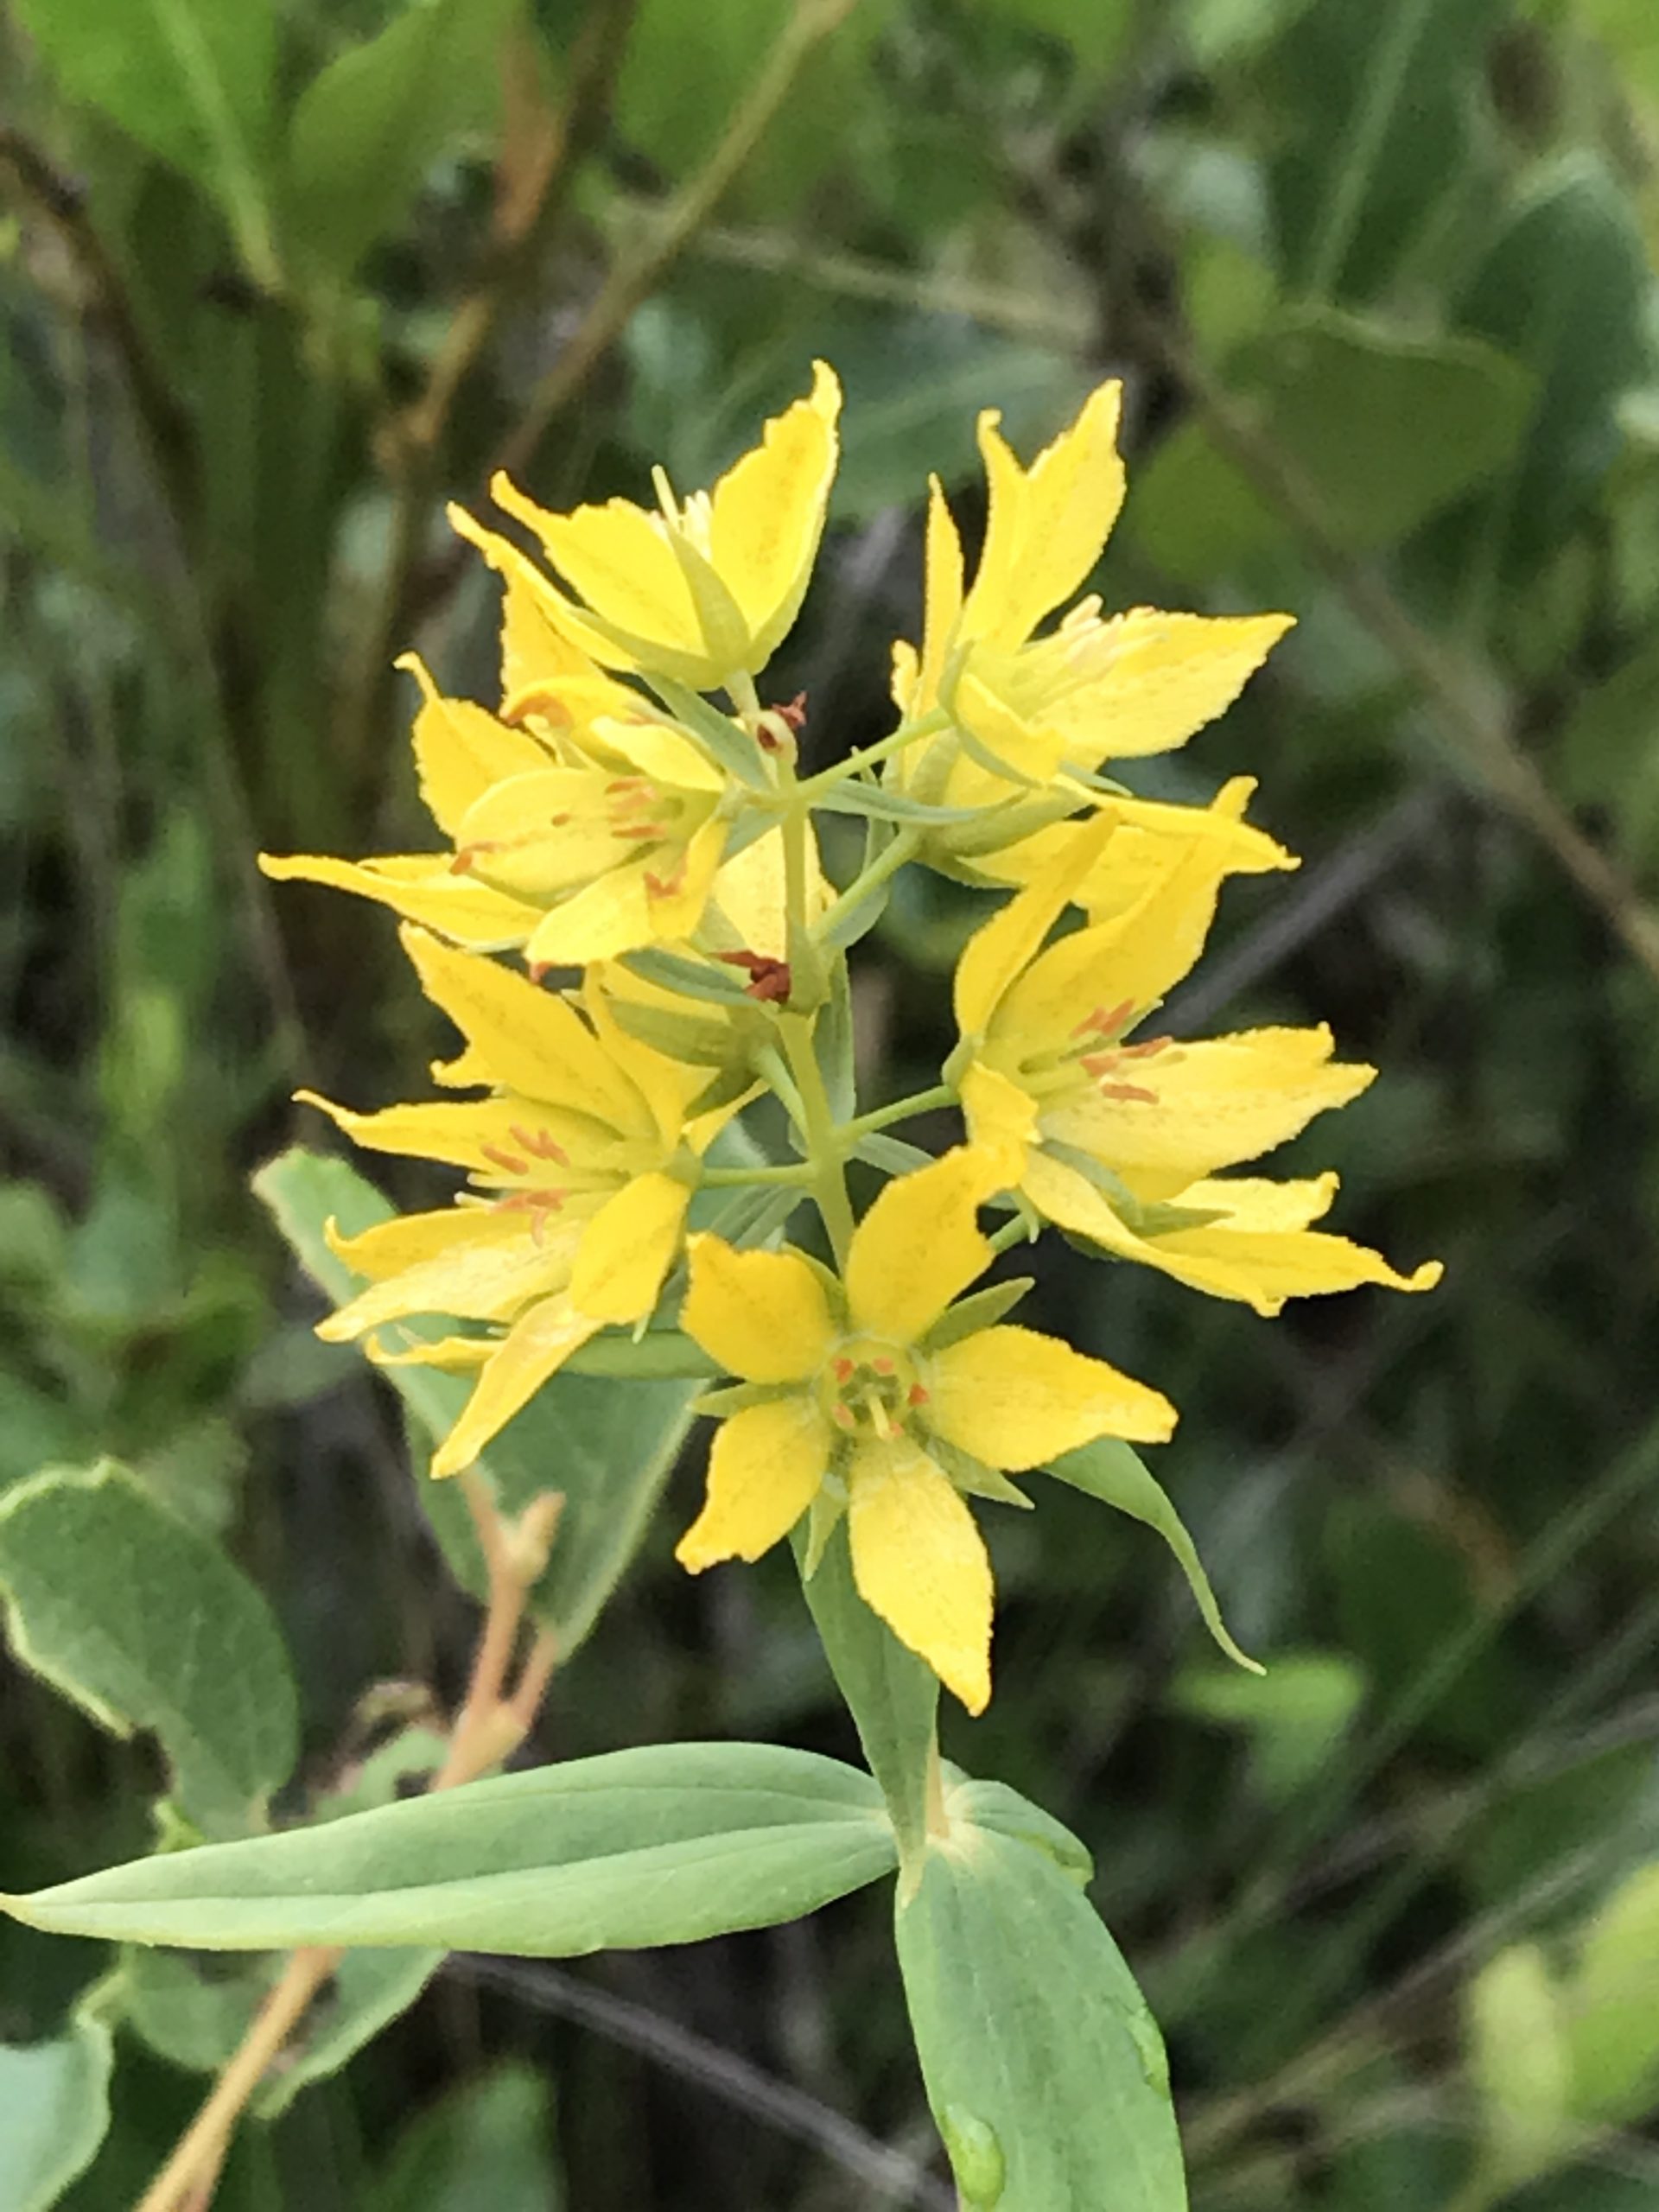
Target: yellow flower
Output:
[(580, 1159), (1026, 710), (871, 1396), (1119, 1140), (704, 590)]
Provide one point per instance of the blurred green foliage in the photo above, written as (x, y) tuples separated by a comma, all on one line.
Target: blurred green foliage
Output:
[(275, 281)]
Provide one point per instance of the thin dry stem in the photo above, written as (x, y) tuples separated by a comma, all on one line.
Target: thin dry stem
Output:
[(493, 1721)]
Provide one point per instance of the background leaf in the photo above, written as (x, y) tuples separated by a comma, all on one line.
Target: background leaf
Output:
[(371, 123), (489, 2143), (54, 2108), (607, 1447), (145, 1624)]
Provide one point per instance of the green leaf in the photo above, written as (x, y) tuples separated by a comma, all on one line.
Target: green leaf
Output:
[(1044, 2069), (489, 2143), (1520, 2069), (194, 2007), (367, 128), (1295, 1719), (1386, 427), (144, 1623), (607, 1445), (666, 1844), (1093, 30), (1109, 1470), (893, 1695), (1612, 2005), (1372, 111), (1564, 289), (55, 2109), (192, 80)]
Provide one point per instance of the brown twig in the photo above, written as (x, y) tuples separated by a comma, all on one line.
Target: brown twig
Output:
[(493, 1721), (634, 279), (532, 199)]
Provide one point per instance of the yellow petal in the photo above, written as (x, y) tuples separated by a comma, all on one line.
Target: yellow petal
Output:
[(762, 1315), (452, 1355), (920, 1561), (628, 1247), (618, 559), (1047, 526), (529, 1039), (1148, 837), (460, 750), (534, 1349), (943, 606), (482, 1135), (667, 756), (764, 1467), (607, 918), (1266, 1267), (749, 893), (484, 1278), (994, 955), (668, 1086), (1153, 679), (423, 887), (1256, 1202), (409, 1240), (1206, 1105), (542, 833), (920, 1245), (516, 568), (1001, 1118), (1131, 960), (1018, 1399), (766, 515)]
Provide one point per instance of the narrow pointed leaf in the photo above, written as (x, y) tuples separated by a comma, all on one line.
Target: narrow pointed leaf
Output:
[(666, 1844), (1109, 1470)]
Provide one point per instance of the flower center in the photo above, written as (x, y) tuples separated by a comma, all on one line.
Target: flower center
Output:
[(868, 1388), (1096, 1051)]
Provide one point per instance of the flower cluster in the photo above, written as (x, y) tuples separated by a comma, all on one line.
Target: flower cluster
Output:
[(632, 827)]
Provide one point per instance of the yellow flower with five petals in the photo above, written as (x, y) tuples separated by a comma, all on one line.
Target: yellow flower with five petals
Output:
[(1119, 1139), (876, 1396), (581, 1162), (1094, 689)]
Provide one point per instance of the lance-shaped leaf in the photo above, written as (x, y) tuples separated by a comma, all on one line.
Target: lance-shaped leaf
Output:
[(1109, 1470), (55, 2109), (893, 1695), (1044, 2068), (665, 1844), (144, 1622), (607, 1446)]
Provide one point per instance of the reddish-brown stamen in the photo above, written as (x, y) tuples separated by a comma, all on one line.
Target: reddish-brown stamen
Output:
[(508, 1161)]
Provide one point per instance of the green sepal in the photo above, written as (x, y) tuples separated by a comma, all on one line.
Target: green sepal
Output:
[(981, 1309), (893, 1155), (681, 1037), (993, 763), (876, 801), (824, 1516), (723, 739), (974, 1476), (737, 1397), (1141, 1218), (1109, 1470), (711, 980)]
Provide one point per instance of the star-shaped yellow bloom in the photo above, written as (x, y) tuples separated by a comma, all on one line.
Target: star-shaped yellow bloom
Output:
[(702, 589), (870, 1397), (581, 1161), (1025, 710), (1119, 1139)]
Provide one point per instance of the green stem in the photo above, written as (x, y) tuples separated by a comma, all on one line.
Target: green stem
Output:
[(828, 1183), (887, 861), (901, 1109), (794, 1173), (871, 755)]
